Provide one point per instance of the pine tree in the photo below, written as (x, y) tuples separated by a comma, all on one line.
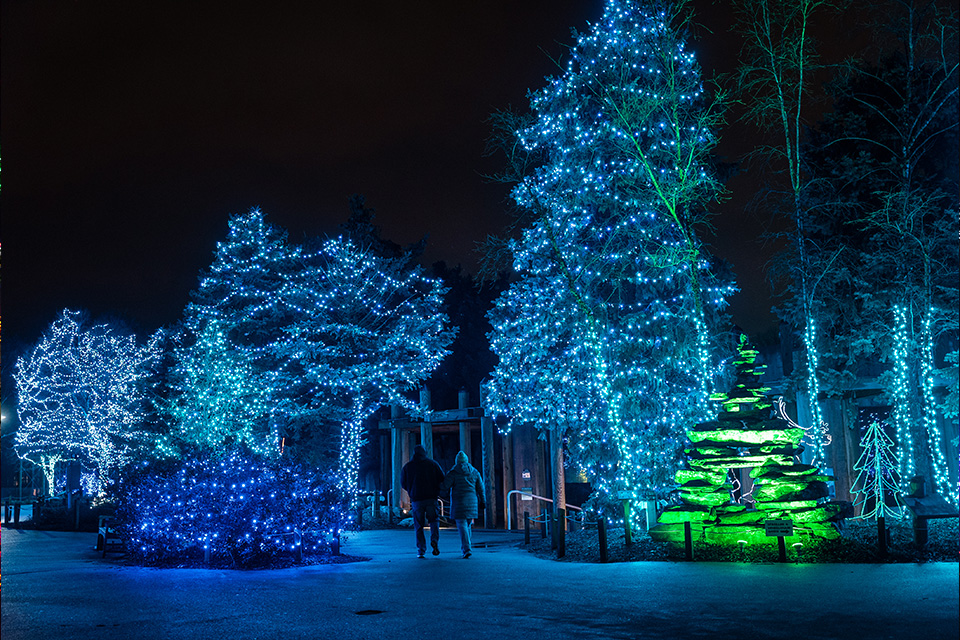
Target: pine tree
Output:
[(227, 383), (604, 337), (218, 400), (79, 398)]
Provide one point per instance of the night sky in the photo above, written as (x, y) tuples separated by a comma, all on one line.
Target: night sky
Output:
[(132, 130)]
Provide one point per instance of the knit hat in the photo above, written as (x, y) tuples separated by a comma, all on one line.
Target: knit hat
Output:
[(462, 458)]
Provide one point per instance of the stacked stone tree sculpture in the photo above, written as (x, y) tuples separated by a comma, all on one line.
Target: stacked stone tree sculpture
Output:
[(747, 434)]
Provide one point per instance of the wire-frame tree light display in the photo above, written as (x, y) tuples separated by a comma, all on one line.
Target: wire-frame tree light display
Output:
[(878, 477)]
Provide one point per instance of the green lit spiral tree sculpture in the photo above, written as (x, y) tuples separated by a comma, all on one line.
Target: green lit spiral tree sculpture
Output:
[(747, 434)]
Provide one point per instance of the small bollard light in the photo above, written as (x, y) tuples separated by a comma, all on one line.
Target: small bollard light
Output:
[(798, 546), (742, 543)]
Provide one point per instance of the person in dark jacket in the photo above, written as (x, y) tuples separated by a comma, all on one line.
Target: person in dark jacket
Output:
[(465, 486), (421, 478)]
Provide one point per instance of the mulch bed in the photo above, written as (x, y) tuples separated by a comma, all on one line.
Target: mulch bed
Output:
[(858, 544)]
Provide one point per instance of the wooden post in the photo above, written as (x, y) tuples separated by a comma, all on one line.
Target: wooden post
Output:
[(543, 524), (602, 535), (526, 527), (463, 399), (556, 463), (396, 446), (782, 548), (426, 427), (882, 535), (627, 533), (488, 471), (687, 541), (554, 539), (76, 511), (509, 480), (561, 532), (407, 444)]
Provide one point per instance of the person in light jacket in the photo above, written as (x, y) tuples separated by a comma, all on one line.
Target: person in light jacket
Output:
[(465, 486)]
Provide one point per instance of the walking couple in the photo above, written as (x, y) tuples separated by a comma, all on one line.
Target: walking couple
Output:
[(424, 481)]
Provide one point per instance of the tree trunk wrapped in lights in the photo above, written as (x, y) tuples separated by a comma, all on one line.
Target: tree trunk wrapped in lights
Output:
[(747, 434)]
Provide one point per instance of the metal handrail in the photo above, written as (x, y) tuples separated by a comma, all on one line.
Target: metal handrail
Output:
[(509, 493), (389, 506)]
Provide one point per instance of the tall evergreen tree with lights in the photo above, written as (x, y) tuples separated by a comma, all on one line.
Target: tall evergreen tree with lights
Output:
[(226, 382), (605, 337), (79, 397)]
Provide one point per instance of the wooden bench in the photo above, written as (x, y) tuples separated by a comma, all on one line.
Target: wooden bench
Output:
[(925, 508), (107, 535)]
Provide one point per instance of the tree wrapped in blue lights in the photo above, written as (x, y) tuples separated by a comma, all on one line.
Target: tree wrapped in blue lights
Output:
[(235, 509), (605, 337), (276, 334), (372, 329), (80, 397), (219, 400), (225, 385)]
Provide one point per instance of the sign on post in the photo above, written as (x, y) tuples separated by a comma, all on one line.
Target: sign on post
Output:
[(778, 528)]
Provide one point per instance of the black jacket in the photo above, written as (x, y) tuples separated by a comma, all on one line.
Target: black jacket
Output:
[(421, 477)]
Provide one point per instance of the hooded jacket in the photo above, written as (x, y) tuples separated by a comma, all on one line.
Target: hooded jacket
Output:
[(421, 477), (465, 486)]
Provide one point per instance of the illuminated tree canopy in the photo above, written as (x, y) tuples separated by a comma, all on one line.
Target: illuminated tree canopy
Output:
[(79, 397), (372, 328), (279, 334)]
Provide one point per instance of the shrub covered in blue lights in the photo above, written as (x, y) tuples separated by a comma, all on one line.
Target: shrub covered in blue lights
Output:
[(228, 508)]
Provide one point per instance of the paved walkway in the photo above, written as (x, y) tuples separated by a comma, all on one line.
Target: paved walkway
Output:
[(55, 586)]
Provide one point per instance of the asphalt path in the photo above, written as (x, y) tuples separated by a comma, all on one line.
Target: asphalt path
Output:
[(56, 586)]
